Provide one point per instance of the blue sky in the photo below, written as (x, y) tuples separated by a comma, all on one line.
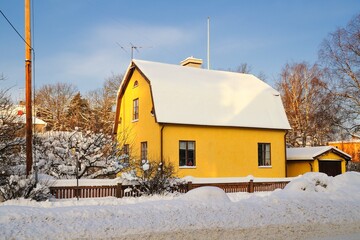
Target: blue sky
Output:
[(78, 41)]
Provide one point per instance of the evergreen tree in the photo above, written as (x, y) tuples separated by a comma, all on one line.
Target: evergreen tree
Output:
[(78, 113)]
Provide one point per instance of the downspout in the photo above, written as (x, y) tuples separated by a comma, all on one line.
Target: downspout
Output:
[(162, 145), (286, 132), (311, 167)]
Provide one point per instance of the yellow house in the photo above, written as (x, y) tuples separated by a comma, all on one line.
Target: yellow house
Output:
[(326, 159), (207, 123)]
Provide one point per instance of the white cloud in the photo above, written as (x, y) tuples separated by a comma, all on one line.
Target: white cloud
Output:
[(98, 55)]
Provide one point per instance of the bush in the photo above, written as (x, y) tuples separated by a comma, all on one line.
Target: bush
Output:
[(18, 186), (153, 177), (353, 166)]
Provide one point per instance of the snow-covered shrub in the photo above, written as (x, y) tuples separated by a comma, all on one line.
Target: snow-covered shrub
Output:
[(309, 182), (353, 166), (77, 154), (153, 177), (20, 186)]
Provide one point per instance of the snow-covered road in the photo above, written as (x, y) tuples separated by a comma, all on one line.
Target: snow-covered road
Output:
[(303, 210)]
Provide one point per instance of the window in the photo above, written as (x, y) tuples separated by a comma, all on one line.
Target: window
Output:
[(144, 151), (136, 109), (187, 153), (126, 152), (264, 154), (136, 83)]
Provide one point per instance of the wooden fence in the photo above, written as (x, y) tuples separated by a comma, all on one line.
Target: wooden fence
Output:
[(120, 190)]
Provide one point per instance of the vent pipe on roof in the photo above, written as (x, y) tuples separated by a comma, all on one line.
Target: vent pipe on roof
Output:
[(192, 62)]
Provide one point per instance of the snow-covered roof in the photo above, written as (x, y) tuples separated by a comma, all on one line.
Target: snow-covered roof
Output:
[(35, 120), (310, 153), (186, 95)]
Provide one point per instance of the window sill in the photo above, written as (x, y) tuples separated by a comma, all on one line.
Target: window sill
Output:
[(134, 121), (187, 167), (265, 166)]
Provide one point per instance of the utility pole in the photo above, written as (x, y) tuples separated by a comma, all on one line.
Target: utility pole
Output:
[(28, 67)]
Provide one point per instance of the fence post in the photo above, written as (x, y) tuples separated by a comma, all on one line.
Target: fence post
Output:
[(251, 186), (118, 190), (189, 186)]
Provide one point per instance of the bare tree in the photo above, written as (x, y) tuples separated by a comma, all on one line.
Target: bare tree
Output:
[(244, 68), (340, 53), (308, 104), (52, 102), (101, 102)]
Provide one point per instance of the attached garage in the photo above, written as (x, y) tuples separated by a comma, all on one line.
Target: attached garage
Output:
[(326, 159)]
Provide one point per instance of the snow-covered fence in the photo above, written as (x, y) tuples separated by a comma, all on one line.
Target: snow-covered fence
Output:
[(249, 187), (86, 191), (130, 190), (118, 191)]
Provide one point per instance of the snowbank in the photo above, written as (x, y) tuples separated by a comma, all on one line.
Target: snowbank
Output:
[(340, 187), (206, 194), (313, 206)]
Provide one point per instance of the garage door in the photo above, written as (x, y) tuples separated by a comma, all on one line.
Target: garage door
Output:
[(331, 168)]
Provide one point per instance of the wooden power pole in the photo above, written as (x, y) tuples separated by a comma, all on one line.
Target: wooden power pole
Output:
[(28, 67)]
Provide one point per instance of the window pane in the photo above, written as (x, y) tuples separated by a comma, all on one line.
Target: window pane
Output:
[(182, 145), (191, 145), (260, 154), (182, 157)]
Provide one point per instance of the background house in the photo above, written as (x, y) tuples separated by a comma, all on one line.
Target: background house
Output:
[(351, 147), (207, 123), (326, 159)]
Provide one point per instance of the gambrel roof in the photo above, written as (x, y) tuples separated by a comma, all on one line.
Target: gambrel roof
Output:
[(195, 96)]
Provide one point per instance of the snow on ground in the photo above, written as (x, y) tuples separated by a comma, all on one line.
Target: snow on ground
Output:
[(313, 206)]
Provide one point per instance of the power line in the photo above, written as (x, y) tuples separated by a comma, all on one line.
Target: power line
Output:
[(15, 30)]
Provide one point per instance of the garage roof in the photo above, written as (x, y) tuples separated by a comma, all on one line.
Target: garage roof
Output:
[(310, 153)]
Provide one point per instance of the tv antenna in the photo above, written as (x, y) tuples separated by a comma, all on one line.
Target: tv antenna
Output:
[(132, 48)]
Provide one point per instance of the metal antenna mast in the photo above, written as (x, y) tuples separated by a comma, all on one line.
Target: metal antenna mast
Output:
[(132, 48)]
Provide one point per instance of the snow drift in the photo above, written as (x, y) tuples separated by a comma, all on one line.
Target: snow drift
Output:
[(313, 206)]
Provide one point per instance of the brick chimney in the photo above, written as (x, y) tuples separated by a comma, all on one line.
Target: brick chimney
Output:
[(192, 62)]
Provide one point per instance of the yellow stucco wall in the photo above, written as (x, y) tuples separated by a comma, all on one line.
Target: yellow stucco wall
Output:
[(220, 151), (296, 168), (226, 152), (145, 128)]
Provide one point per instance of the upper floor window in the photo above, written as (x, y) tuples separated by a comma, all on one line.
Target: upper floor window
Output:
[(187, 153), (264, 154), (136, 109), (136, 83)]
